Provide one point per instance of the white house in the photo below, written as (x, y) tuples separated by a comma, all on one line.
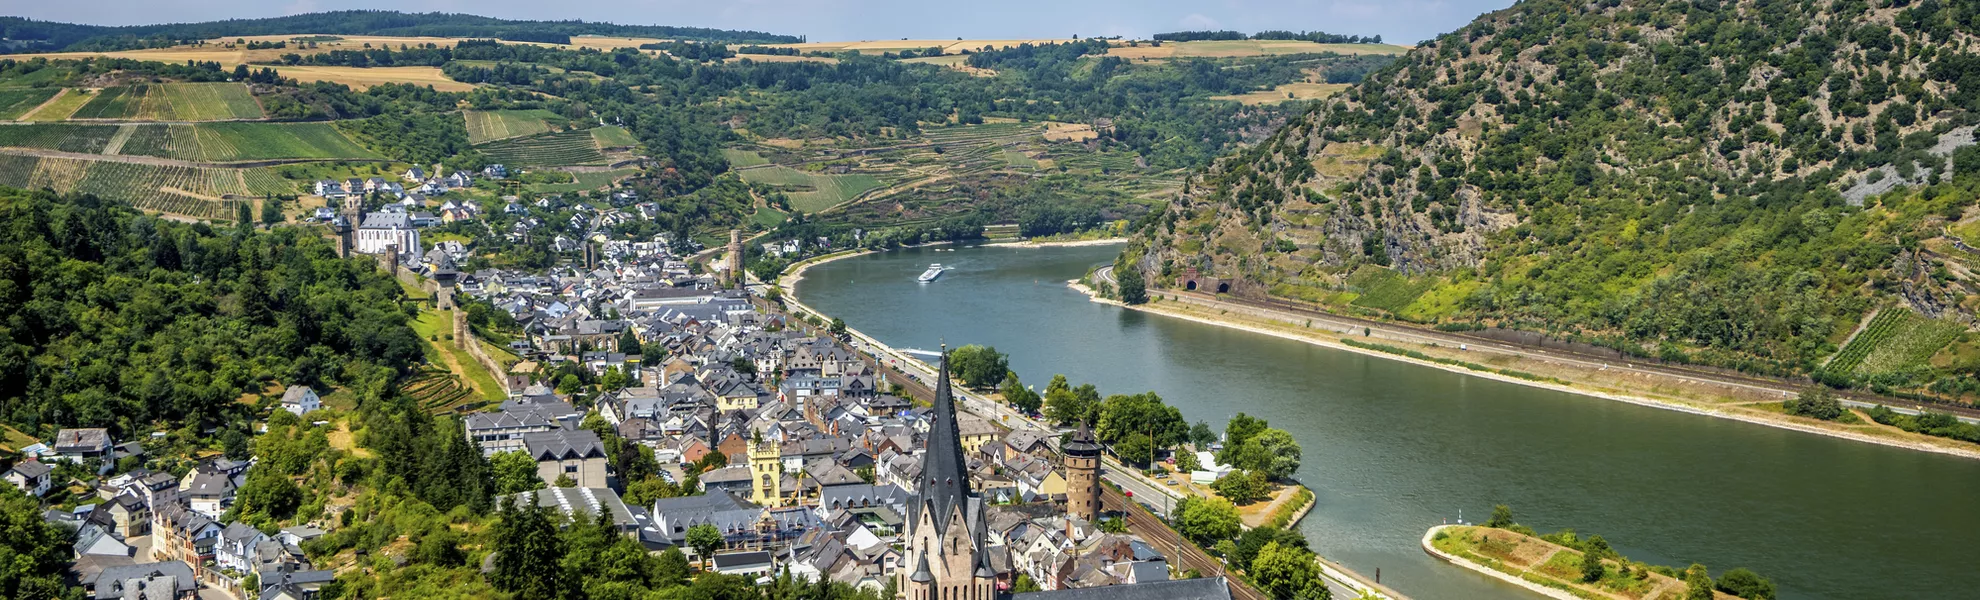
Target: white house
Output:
[(31, 476), (382, 230), (300, 399)]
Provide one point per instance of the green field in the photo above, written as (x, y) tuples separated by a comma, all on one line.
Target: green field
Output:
[(191, 191), (485, 126), (570, 148), (613, 136), (173, 102), (1895, 339), (67, 137), (583, 182), (221, 142), (812, 192), (14, 103), (743, 158)]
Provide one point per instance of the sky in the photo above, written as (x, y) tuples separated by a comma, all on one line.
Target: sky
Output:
[(1397, 21)]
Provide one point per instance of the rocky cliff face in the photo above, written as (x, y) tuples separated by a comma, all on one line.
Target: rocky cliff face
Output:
[(1573, 165)]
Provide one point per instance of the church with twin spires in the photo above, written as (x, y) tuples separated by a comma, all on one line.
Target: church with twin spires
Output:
[(946, 556)]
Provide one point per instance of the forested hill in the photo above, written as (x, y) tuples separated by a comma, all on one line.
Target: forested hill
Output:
[(31, 35), (1682, 177)]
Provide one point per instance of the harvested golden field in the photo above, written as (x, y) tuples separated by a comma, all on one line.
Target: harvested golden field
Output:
[(879, 46), (782, 58), (363, 77), (1237, 48), (1069, 132), (1290, 92)]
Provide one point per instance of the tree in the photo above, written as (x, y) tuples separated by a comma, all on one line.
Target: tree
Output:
[(515, 472), (704, 539), (1020, 397), (1816, 402), (1122, 415), (1591, 565), (1137, 449), (1501, 517), (271, 210), (1241, 428), (1024, 585), (1247, 546), (1063, 404), (1271, 451), (1202, 436), (672, 568), (979, 366), (1698, 585), (628, 341), (1206, 520), (1746, 584), (837, 327), (564, 481), (267, 496), (528, 553), (1132, 288), (1186, 462), (1241, 487), (1288, 573)]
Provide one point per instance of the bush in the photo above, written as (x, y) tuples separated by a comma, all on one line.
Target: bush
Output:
[(1815, 402), (1746, 584)]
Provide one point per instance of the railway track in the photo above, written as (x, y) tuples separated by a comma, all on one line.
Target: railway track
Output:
[(1180, 551), (1769, 386)]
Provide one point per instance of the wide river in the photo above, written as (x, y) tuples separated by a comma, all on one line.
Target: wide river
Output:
[(1392, 448)]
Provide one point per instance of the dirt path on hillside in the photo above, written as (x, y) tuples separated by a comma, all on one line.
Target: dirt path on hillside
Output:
[(117, 140), (37, 108)]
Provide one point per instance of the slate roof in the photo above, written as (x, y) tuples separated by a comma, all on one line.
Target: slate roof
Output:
[(944, 477), (111, 582), (558, 444), (386, 220), (32, 469), (1207, 588)]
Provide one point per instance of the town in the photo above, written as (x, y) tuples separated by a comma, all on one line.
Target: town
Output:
[(780, 450)]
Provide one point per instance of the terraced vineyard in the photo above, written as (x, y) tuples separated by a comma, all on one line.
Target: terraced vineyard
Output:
[(197, 192), (570, 148), (224, 142), (14, 103), (437, 391), (485, 126), (812, 192), (173, 102), (1895, 339), (988, 133), (66, 137), (1385, 289)]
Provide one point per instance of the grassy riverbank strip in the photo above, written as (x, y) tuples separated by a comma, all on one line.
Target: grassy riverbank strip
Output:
[(1618, 385), (1450, 361), (1556, 570)]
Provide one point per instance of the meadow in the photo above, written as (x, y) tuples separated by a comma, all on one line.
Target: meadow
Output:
[(583, 182)]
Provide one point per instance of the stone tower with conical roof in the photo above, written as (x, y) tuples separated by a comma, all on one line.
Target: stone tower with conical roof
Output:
[(945, 558), (1082, 462)]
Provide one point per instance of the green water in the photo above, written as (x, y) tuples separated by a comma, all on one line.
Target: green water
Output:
[(1392, 448)]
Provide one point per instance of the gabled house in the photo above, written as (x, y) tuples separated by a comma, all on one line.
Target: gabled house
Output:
[(577, 454), (235, 550), (78, 445), (300, 400), (32, 476)]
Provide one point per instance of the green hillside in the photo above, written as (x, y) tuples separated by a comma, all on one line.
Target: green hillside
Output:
[(1732, 183)]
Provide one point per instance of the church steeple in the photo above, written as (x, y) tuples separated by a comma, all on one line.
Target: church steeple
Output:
[(946, 531), (945, 477)]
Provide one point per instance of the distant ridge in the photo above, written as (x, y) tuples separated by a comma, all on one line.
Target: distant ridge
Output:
[(22, 34)]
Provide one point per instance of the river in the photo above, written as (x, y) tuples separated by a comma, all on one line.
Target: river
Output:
[(1393, 448)]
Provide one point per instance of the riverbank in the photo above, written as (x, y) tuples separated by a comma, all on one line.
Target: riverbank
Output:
[(1597, 380), (1549, 568), (1430, 547), (1060, 243)]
